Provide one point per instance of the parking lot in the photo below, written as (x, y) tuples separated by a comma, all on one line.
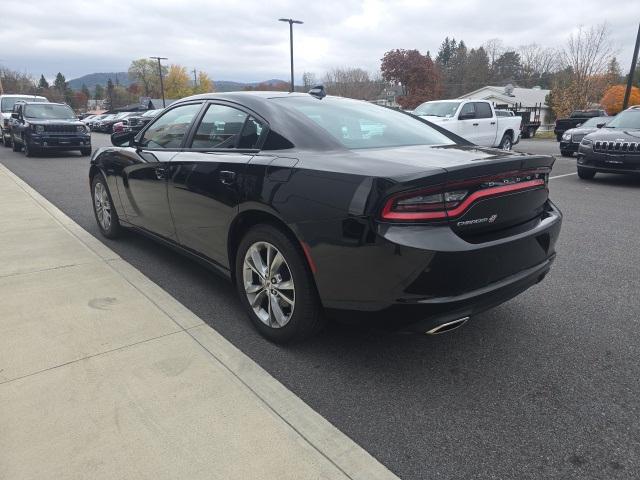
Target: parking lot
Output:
[(544, 386)]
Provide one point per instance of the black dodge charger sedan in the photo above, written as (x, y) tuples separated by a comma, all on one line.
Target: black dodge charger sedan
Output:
[(615, 148), (318, 206)]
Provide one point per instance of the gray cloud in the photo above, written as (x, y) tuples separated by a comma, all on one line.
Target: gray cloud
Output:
[(244, 41)]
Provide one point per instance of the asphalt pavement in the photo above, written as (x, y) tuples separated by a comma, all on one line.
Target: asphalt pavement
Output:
[(544, 386)]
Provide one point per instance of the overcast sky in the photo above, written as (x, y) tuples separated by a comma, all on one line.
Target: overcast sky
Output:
[(242, 40)]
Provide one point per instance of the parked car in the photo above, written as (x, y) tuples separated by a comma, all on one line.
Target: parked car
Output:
[(577, 118), (614, 148), (473, 120), (138, 122), (6, 108), (571, 138), (106, 124), (309, 213), (38, 127), (93, 122)]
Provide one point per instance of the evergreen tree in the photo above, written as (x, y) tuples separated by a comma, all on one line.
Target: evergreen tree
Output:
[(99, 92), (85, 90), (43, 84), (60, 83)]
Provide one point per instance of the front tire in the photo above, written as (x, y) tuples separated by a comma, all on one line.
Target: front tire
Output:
[(586, 174), (85, 152), (276, 286), (506, 143), (566, 153), (105, 213), (29, 150)]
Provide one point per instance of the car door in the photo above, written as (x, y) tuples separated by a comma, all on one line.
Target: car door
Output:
[(146, 170), (486, 125), (468, 125), (206, 178)]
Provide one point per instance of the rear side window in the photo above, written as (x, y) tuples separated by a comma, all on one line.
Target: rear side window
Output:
[(169, 129), (483, 110), (226, 127)]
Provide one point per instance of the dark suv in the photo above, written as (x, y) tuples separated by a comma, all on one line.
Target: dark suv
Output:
[(615, 148), (37, 127)]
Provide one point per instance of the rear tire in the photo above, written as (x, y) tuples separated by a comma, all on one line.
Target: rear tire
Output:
[(85, 152), (506, 143), (559, 137), (586, 174), (103, 209), (263, 294), (566, 153)]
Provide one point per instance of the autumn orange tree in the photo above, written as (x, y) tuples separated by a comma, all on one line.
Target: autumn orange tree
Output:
[(614, 97), (418, 74)]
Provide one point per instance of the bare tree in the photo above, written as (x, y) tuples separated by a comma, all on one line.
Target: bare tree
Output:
[(537, 63), (309, 80), (353, 83), (494, 48)]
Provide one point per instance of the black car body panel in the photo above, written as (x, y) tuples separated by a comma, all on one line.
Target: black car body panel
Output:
[(574, 120), (330, 199)]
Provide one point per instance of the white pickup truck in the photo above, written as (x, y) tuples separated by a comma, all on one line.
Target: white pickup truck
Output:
[(473, 120)]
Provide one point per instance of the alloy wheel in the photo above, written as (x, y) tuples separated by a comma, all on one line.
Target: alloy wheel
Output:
[(506, 144), (102, 205), (268, 284)]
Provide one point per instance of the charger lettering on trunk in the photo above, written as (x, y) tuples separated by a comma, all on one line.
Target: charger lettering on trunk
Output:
[(476, 221)]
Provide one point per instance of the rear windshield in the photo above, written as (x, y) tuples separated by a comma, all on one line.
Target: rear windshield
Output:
[(8, 102), (437, 109), (49, 110), (356, 124), (627, 119)]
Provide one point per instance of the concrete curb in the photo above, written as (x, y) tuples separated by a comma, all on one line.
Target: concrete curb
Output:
[(330, 442)]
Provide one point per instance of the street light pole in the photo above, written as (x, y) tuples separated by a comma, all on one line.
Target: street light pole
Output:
[(291, 21), (160, 73), (195, 79), (627, 92)]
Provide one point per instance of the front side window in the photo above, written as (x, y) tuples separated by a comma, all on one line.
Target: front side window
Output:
[(226, 127), (356, 124), (467, 109), (49, 111), (169, 129)]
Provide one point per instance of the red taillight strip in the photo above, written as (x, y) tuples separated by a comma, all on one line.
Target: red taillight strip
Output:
[(388, 214)]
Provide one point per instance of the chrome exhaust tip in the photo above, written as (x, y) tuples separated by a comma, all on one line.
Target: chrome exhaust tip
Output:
[(447, 327)]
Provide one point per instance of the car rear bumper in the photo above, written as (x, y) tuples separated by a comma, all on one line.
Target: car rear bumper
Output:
[(426, 274)]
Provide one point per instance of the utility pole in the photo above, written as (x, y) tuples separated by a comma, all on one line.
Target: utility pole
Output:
[(160, 73), (634, 61), (291, 21), (195, 79), (1, 89)]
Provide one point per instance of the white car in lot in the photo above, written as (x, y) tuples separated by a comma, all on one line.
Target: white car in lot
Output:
[(473, 120)]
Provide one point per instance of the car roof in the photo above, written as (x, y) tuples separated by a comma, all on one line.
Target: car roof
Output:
[(21, 95)]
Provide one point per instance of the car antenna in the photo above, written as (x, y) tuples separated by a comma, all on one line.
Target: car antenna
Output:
[(318, 92)]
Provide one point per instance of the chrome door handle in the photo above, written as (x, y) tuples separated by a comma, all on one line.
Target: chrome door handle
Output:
[(227, 177)]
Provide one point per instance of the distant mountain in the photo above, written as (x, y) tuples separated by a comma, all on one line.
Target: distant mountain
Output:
[(93, 79)]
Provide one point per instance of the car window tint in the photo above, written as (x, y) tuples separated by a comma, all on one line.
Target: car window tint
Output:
[(467, 108), (250, 134), (221, 127), (483, 110), (169, 129), (357, 124)]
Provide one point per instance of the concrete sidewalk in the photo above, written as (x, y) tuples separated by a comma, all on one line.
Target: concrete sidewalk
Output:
[(104, 375)]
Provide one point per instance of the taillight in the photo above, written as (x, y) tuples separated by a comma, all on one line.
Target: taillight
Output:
[(452, 201)]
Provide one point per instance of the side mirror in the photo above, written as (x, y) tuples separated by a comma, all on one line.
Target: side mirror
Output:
[(15, 115), (600, 125), (467, 116), (578, 124), (122, 139)]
